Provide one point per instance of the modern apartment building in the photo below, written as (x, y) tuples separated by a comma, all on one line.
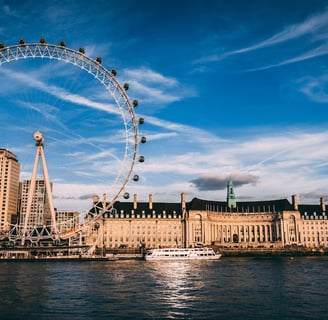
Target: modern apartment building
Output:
[(67, 219), (9, 186), (40, 212)]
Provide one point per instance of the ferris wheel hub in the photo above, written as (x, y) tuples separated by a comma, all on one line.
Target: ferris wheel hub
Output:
[(38, 137)]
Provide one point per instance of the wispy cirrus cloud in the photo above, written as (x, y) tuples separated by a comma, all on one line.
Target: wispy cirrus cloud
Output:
[(198, 135), (258, 166), (256, 155), (316, 52), (149, 77), (312, 25), (315, 25), (57, 91), (149, 94), (146, 75), (9, 11), (154, 88), (315, 88)]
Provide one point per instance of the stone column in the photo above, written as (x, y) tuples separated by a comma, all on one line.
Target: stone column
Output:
[(266, 239)]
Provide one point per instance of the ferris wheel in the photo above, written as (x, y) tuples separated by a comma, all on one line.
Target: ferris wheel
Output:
[(122, 107)]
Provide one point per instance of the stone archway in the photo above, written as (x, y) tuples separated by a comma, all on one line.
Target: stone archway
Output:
[(292, 229), (198, 229), (235, 238)]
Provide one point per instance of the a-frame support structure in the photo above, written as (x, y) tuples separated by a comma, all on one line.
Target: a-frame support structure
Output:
[(39, 142)]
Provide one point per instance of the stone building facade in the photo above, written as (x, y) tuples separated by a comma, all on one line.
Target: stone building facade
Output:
[(133, 224), (257, 224)]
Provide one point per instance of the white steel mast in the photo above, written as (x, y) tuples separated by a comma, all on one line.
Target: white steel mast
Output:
[(38, 137)]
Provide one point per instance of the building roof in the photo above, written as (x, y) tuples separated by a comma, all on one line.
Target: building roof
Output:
[(311, 209), (141, 208), (144, 206), (265, 206), (241, 206)]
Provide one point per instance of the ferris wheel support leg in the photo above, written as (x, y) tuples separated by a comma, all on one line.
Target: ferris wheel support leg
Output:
[(30, 194), (49, 193)]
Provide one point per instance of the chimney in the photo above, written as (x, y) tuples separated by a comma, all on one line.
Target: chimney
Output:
[(134, 201), (183, 201), (95, 199), (104, 204), (150, 201), (295, 202), (323, 204)]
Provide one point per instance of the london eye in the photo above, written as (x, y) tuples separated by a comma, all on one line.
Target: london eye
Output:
[(119, 165)]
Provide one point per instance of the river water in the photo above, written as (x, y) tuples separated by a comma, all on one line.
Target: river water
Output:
[(232, 288)]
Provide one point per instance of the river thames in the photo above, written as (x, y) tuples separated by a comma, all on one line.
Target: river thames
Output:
[(231, 288)]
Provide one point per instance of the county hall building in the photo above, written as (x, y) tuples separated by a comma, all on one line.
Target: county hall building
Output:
[(230, 224)]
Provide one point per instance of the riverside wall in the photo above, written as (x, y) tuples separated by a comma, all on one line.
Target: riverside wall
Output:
[(297, 251), (130, 253)]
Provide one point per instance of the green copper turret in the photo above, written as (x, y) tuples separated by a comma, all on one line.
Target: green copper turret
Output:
[(231, 198)]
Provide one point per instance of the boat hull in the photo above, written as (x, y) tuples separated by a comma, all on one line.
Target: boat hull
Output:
[(182, 254)]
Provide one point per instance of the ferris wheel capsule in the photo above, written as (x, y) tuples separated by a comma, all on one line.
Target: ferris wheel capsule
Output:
[(143, 139)]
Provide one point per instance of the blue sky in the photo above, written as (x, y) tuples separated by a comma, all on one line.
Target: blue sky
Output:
[(228, 89)]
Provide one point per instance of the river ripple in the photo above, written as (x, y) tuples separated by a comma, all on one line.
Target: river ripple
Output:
[(232, 288)]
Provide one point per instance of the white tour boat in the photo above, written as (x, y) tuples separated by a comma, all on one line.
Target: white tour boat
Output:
[(182, 254)]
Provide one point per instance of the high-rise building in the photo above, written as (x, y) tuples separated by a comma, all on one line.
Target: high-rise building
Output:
[(9, 185), (67, 219), (40, 212)]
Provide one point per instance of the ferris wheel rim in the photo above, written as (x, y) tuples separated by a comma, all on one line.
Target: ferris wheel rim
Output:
[(79, 59)]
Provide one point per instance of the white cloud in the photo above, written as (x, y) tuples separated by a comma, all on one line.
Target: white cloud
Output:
[(143, 74), (315, 25), (315, 88), (311, 25), (58, 92), (8, 10), (150, 94), (316, 52), (154, 88), (279, 172), (283, 164)]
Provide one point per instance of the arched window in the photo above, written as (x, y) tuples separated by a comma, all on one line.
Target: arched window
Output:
[(198, 229), (292, 228)]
